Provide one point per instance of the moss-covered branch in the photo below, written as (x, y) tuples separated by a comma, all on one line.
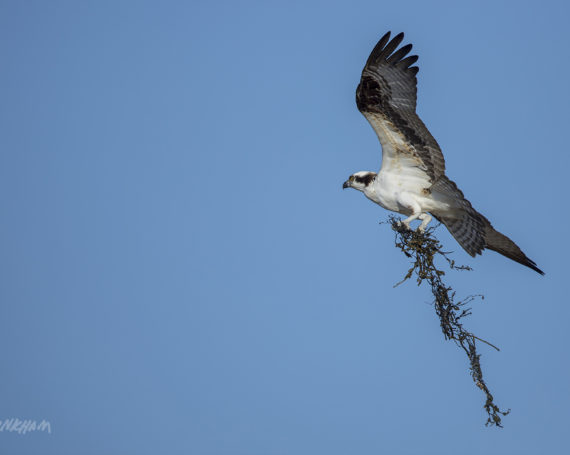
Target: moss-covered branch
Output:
[(422, 249)]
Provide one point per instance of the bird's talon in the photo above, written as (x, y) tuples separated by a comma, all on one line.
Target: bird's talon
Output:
[(404, 225)]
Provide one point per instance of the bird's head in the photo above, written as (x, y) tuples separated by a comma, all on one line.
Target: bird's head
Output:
[(359, 180)]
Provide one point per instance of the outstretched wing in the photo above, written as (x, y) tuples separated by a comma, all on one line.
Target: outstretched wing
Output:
[(386, 96)]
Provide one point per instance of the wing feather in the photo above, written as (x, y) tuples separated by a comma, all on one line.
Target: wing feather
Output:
[(387, 96), (390, 47), (407, 62), (399, 54)]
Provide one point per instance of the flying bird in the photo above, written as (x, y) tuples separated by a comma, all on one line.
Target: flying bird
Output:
[(412, 179)]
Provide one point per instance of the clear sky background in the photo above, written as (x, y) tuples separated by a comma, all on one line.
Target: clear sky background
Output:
[(182, 273)]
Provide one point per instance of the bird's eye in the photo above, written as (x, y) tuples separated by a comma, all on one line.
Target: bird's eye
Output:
[(351, 179)]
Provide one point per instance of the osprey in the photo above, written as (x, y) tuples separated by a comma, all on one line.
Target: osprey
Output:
[(412, 178)]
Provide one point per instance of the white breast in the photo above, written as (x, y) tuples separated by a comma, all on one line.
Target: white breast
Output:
[(403, 175)]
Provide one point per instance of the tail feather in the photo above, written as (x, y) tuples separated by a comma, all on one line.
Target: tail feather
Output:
[(472, 230), (503, 245), (475, 233)]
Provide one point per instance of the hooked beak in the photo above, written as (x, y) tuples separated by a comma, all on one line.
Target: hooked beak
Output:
[(346, 185)]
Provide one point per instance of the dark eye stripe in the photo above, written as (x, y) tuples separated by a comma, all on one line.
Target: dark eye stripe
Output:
[(366, 179)]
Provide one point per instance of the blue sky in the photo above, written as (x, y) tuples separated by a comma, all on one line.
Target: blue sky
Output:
[(182, 273)]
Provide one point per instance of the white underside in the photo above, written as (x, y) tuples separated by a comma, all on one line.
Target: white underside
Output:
[(402, 184)]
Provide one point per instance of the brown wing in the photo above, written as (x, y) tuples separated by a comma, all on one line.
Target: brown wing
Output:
[(386, 96)]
